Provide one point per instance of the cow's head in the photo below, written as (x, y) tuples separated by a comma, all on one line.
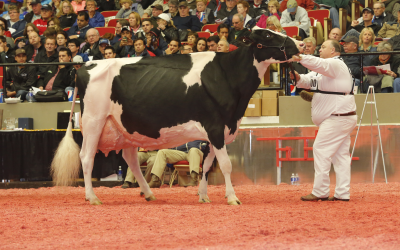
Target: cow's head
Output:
[(272, 45)]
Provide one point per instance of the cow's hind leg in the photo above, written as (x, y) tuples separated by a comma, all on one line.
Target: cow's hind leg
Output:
[(226, 168), (130, 156), (209, 158)]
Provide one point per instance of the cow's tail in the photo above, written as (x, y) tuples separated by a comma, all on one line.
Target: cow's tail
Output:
[(66, 163)]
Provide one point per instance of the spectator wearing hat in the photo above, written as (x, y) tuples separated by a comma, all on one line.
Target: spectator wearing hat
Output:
[(367, 16), (58, 77), (203, 13), (228, 10), (79, 31), (149, 11), (7, 54), (49, 54), (125, 45), (109, 52), (15, 25), (73, 45), (157, 9), (125, 9), (295, 15), (91, 48), (185, 21), (103, 43), (78, 5), (46, 13), (153, 42), (20, 78), (67, 16), (35, 14), (147, 26), (168, 30)]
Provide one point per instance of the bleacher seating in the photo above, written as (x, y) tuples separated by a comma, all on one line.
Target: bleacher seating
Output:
[(292, 31), (109, 13), (113, 22), (211, 27), (103, 30), (204, 34), (324, 23)]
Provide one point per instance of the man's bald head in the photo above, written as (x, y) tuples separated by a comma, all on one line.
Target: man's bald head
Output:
[(335, 34)]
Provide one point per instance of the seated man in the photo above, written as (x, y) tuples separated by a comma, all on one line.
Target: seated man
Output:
[(153, 42), (73, 45), (49, 54), (238, 30), (296, 16), (118, 26), (380, 15), (109, 52), (103, 43), (34, 47), (173, 47), (20, 78), (91, 48), (185, 21), (191, 152), (57, 77), (46, 13), (212, 43), (79, 31), (223, 46), (186, 49), (143, 156), (7, 55), (357, 27), (17, 26), (124, 46), (228, 9), (95, 18), (140, 48)]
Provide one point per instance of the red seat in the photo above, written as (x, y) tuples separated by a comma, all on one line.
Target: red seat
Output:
[(103, 30), (211, 27), (109, 13), (206, 35), (319, 15), (291, 31), (113, 22), (66, 29)]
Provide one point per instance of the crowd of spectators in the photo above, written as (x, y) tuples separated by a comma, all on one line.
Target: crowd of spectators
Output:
[(35, 28)]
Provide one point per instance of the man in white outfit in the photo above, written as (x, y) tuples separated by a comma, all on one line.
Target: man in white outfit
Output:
[(334, 112)]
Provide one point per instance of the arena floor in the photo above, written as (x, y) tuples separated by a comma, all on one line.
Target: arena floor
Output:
[(271, 217)]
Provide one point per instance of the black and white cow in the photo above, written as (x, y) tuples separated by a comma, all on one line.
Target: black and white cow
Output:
[(166, 101)]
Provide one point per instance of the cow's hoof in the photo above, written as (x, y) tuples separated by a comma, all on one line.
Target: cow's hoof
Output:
[(150, 198), (141, 194), (235, 202), (96, 202), (204, 200)]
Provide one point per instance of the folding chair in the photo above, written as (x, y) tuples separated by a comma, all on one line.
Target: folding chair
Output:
[(103, 30)]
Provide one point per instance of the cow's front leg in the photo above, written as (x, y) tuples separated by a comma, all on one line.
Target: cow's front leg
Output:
[(130, 156), (209, 158), (226, 168)]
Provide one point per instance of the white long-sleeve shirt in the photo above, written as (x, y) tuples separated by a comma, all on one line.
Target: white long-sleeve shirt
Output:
[(332, 75), (301, 16)]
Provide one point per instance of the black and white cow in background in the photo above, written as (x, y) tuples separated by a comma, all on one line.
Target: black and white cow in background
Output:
[(166, 101)]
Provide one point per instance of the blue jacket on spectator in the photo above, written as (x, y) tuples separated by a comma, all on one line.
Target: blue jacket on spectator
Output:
[(85, 57), (74, 30), (115, 39), (96, 21), (193, 144), (19, 28)]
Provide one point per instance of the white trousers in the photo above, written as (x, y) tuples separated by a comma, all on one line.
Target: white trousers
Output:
[(332, 145)]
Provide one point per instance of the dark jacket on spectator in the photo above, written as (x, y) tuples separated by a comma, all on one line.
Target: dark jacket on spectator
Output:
[(7, 57), (19, 27), (22, 80), (386, 17), (74, 30), (212, 5), (145, 53), (373, 26), (61, 81), (29, 49), (232, 36), (223, 12), (43, 58), (353, 62), (67, 20), (115, 39), (170, 33), (28, 17), (94, 51), (255, 12), (105, 5), (96, 21), (189, 22), (124, 50)]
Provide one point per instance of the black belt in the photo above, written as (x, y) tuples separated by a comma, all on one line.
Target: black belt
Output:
[(347, 114)]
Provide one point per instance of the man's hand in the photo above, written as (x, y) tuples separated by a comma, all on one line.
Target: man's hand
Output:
[(41, 88), (73, 37), (296, 58), (161, 26), (11, 93), (354, 23), (204, 21), (391, 73), (297, 76), (124, 42), (21, 44), (168, 51), (129, 42), (1, 49)]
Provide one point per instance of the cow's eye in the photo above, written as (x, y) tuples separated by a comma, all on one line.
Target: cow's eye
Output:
[(268, 35)]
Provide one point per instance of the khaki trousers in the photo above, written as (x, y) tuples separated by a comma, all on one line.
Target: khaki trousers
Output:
[(148, 157), (164, 156)]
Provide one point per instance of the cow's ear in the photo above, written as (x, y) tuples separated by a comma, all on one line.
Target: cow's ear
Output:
[(245, 40)]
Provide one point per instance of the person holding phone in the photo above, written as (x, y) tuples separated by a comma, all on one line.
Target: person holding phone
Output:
[(125, 46)]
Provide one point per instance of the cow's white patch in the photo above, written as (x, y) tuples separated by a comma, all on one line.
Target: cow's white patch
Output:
[(199, 60), (262, 66)]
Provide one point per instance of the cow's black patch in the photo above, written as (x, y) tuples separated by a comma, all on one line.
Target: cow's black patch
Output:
[(82, 81), (206, 153)]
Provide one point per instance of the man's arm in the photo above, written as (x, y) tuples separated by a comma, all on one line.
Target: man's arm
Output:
[(31, 78), (98, 20), (196, 24), (19, 29), (327, 67)]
